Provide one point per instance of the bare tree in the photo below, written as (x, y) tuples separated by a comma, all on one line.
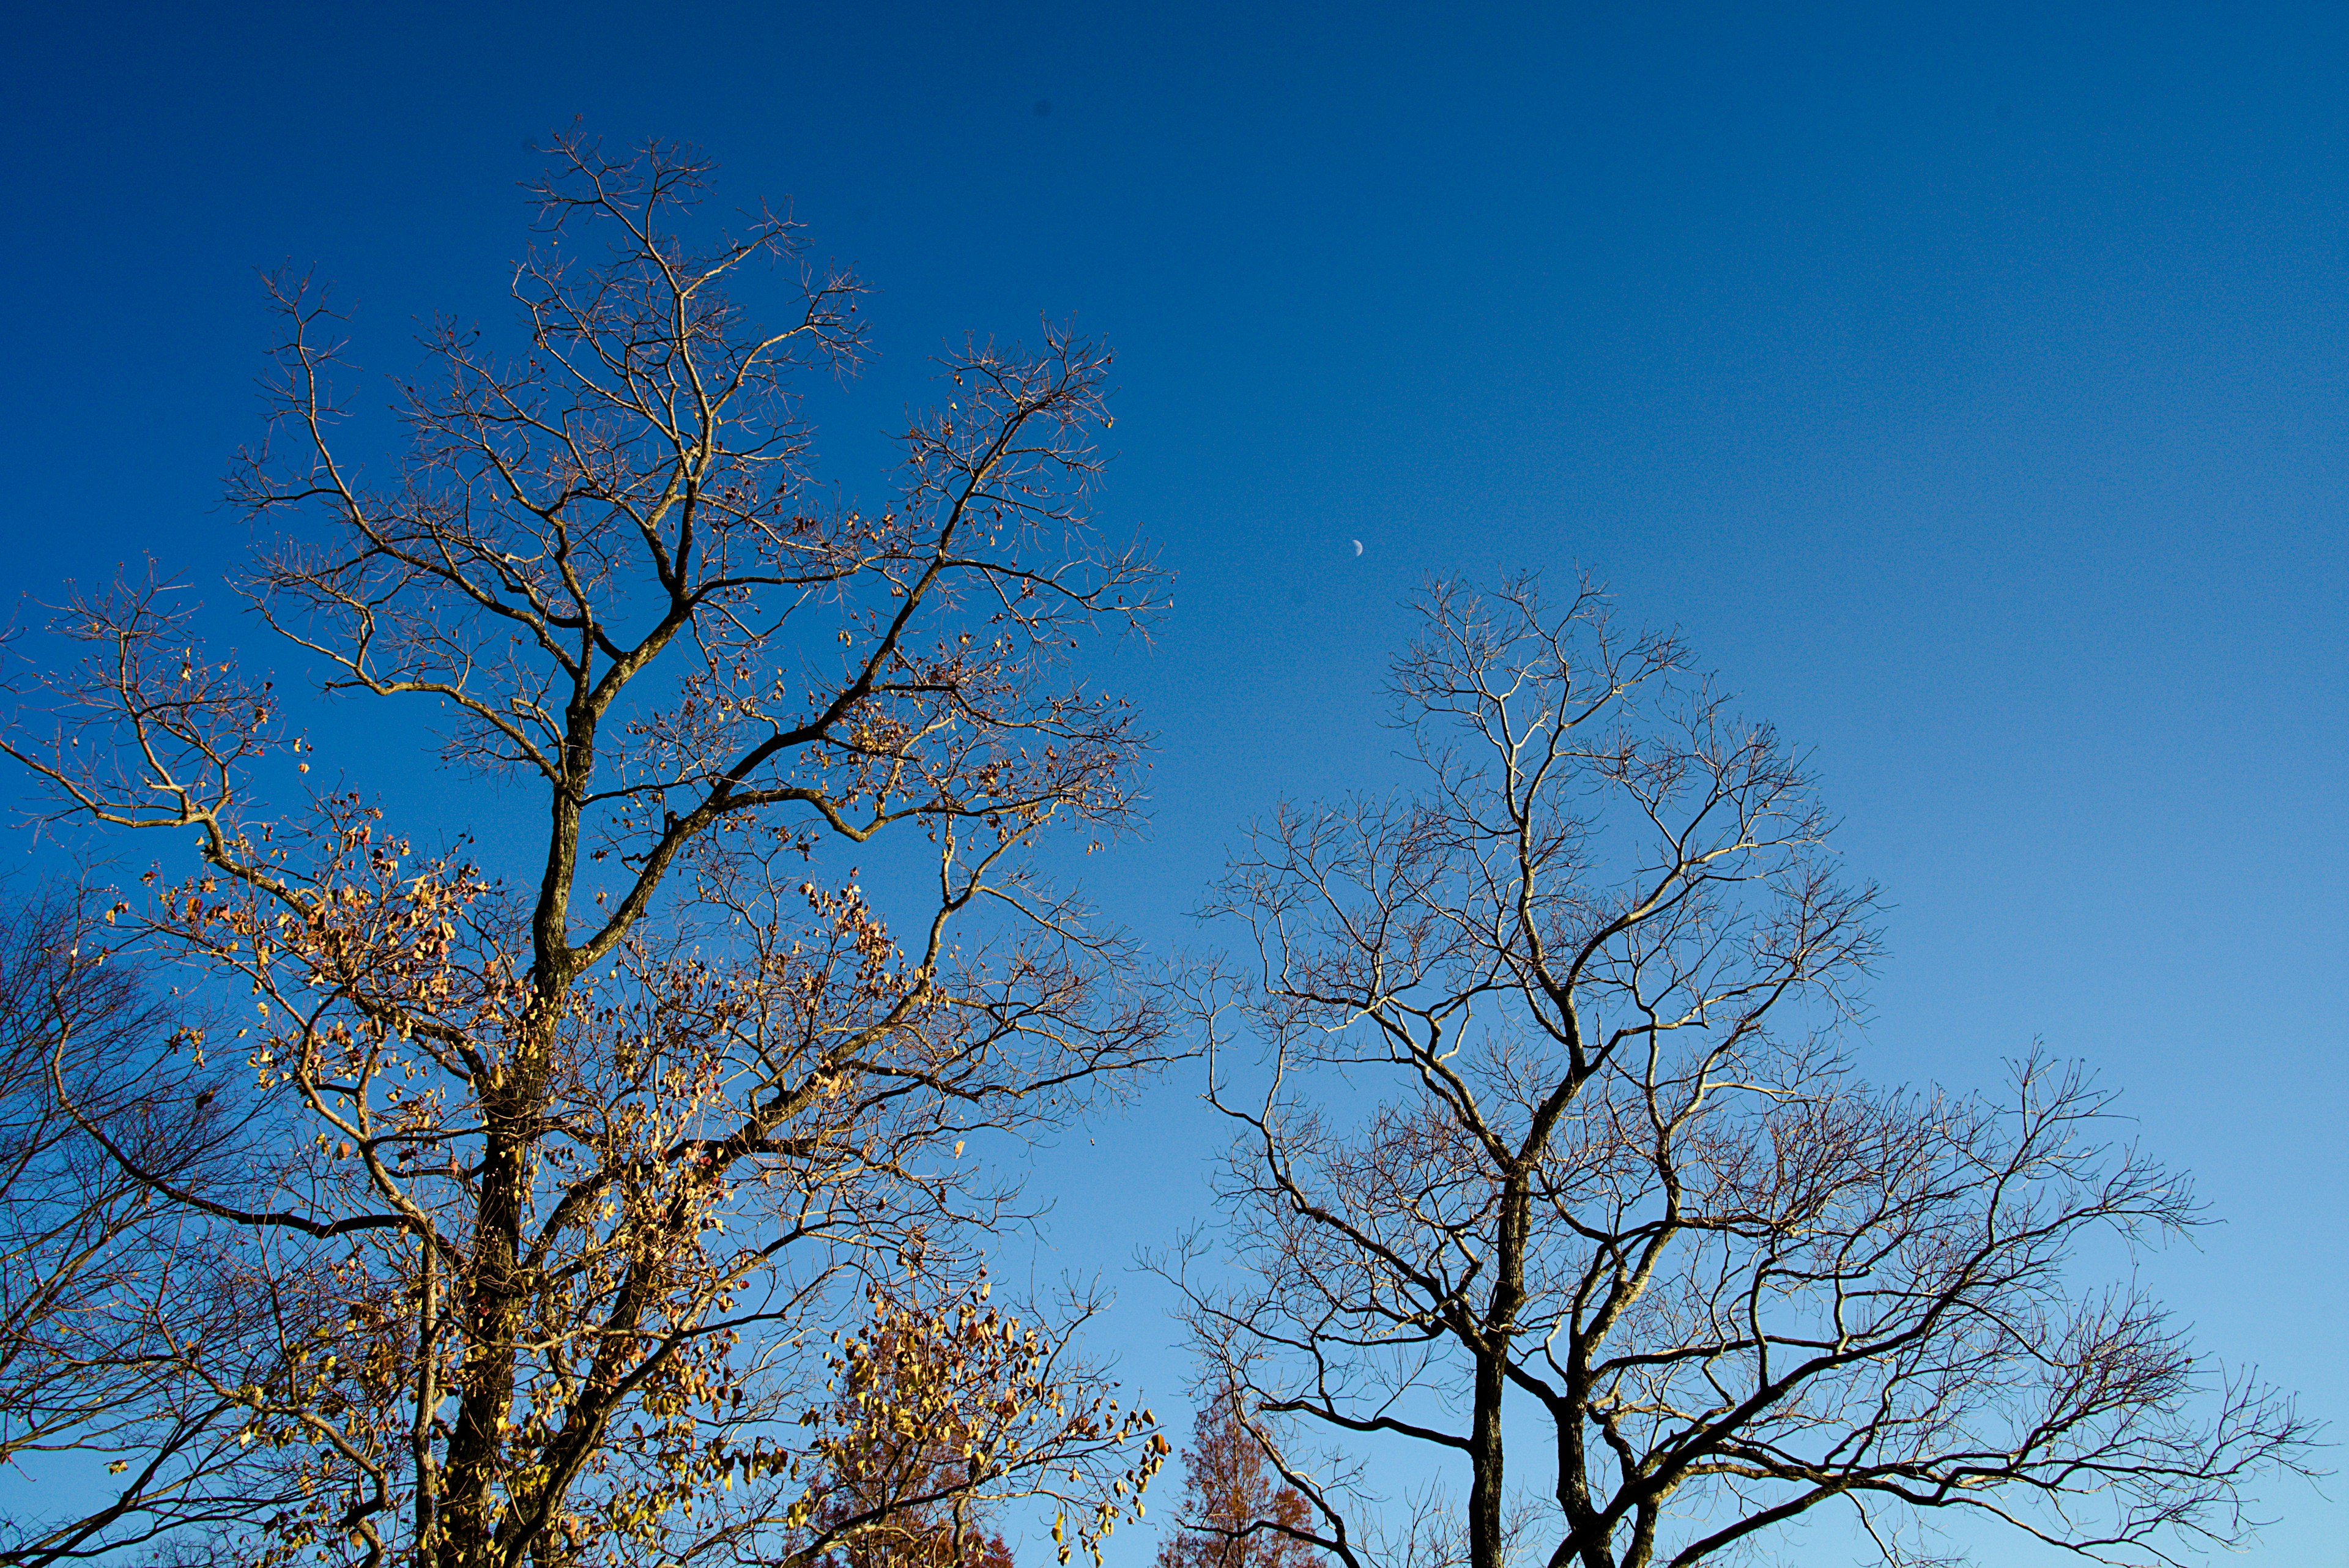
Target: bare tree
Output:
[(585, 1133), (1556, 1120), (102, 1282)]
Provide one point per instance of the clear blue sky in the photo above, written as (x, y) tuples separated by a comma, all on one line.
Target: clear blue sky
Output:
[(1967, 383)]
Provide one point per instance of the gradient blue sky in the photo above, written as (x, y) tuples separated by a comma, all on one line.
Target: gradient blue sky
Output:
[(1967, 383)]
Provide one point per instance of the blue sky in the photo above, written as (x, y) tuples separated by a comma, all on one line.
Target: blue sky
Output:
[(1966, 383)]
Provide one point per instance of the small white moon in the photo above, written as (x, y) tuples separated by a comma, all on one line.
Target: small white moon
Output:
[(1358, 546)]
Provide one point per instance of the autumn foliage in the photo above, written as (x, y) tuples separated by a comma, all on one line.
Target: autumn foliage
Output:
[(930, 1403), (1235, 1511), (564, 1152)]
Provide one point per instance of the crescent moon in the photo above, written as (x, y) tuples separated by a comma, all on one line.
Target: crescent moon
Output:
[(1358, 546)]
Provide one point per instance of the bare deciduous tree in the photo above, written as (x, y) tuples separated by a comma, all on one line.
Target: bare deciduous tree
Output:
[(1556, 1121), (103, 1283), (583, 1134)]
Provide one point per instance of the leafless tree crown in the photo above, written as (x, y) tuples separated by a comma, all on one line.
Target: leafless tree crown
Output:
[(1555, 1119), (105, 1286)]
